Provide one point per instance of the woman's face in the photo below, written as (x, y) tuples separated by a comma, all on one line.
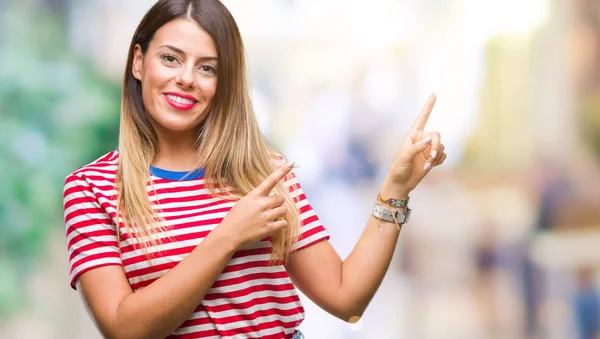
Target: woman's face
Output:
[(178, 74)]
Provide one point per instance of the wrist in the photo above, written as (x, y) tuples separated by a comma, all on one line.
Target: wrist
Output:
[(226, 240), (394, 191)]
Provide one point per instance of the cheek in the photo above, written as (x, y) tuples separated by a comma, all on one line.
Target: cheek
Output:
[(155, 76), (209, 87)]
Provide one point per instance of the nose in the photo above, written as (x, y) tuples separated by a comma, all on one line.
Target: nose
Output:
[(185, 78)]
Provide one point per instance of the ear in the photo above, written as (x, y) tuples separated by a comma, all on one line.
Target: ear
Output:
[(138, 61)]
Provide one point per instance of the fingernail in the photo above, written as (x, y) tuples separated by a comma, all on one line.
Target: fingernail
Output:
[(433, 154), (426, 140), (289, 164), (427, 166)]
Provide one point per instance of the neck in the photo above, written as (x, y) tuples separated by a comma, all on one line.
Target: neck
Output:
[(176, 151)]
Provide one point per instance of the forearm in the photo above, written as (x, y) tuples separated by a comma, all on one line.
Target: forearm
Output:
[(364, 269), (157, 310), (344, 288)]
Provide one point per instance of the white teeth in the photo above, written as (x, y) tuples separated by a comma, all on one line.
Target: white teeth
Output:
[(180, 99)]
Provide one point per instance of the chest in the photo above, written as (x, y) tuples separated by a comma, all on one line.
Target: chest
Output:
[(188, 213), (186, 228)]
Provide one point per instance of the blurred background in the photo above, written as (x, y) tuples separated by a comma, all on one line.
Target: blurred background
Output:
[(505, 236)]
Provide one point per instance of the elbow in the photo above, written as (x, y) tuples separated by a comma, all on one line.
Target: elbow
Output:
[(123, 332), (354, 316), (122, 327), (348, 307), (351, 312), (352, 319), (131, 336), (115, 334)]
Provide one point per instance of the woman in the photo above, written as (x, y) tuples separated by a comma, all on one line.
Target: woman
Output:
[(198, 216)]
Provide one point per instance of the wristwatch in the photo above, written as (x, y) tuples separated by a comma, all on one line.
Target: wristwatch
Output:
[(383, 213)]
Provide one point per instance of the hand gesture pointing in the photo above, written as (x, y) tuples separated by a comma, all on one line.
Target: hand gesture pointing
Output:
[(258, 214), (419, 153)]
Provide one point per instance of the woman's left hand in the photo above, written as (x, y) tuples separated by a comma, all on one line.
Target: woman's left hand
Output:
[(419, 153)]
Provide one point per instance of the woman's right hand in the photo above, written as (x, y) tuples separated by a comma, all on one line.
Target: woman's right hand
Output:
[(258, 214)]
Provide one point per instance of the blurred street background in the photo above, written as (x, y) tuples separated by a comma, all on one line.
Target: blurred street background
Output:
[(504, 241)]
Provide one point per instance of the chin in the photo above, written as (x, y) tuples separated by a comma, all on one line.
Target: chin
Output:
[(178, 128), (181, 127), (180, 124)]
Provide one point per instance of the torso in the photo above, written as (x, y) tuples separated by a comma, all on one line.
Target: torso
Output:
[(251, 298)]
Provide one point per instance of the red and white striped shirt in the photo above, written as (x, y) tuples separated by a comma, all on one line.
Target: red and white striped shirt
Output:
[(251, 298)]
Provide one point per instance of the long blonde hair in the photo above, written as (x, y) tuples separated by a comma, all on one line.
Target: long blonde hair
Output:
[(230, 145)]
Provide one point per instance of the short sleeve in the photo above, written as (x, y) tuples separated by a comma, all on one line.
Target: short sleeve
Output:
[(91, 233), (311, 229)]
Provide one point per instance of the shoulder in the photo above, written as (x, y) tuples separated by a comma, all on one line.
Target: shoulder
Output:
[(84, 186), (103, 168)]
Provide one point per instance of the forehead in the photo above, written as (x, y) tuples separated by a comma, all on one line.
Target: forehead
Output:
[(186, 35)]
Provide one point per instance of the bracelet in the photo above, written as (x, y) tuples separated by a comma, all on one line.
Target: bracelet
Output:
[(397, 217), (393, 202)]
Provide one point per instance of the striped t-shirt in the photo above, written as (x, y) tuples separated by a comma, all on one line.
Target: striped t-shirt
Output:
[(252, 298)]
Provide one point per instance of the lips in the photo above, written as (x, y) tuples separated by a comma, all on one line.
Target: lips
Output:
[(180, 101)]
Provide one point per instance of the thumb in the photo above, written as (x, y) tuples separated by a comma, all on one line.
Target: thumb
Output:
[(271, 181)]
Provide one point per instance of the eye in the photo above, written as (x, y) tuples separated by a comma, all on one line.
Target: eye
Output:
[(208, 69), (169, 59)]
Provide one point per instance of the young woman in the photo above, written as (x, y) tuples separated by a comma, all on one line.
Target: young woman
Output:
[(194, 227)]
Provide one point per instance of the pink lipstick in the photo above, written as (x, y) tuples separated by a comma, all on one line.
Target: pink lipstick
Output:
[(180, 101)]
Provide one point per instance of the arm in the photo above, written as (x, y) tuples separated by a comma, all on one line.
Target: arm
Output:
[(157, 310), (345, 288)]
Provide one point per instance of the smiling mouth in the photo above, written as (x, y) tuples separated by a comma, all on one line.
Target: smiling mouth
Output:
[(180, 103), (180, 100)]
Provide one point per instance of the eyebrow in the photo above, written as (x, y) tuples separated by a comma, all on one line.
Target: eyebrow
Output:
[(180, 51)]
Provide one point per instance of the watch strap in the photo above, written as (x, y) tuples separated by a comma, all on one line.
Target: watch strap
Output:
[(386, 214)]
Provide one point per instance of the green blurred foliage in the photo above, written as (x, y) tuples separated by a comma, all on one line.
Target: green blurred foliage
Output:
[(57, 112)]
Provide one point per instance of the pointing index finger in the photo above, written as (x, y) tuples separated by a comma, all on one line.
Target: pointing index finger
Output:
[(419, 124), (271, 181)]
